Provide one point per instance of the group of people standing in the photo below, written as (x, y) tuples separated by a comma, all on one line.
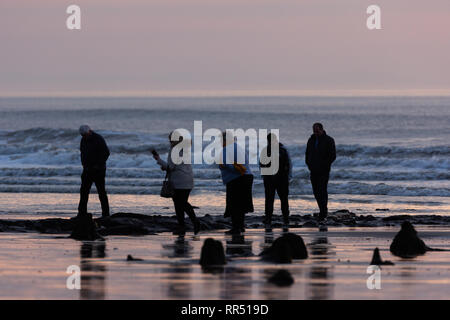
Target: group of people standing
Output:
[(237, 177)]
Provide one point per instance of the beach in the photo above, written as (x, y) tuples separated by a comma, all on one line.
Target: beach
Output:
[(34, 266), (378, 181), (253, 151), (36, 252)]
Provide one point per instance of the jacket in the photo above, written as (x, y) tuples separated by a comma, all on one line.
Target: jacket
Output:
[(320, 156), (180, 175), (94, 151)]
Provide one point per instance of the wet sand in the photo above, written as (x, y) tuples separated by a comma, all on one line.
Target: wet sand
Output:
[(33, 266)]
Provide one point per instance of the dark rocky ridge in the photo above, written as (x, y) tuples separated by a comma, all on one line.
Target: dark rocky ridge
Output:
[(139, 224)]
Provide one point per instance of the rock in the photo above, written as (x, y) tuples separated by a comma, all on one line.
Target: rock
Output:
[(406, 243), (238, 246), (376, 259), (125, 230), (285, 248), (281, 278), (85, 228), (343, 214), (131, 258), (310, 224), (212, 253)]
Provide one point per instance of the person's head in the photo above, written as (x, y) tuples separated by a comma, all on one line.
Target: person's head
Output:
[(272, 137), (176, 137), (318, 129), (85, 130), (174, 143), (226, 141)]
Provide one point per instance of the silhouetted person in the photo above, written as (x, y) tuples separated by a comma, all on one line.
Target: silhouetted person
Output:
[(277, 182), (320, 154), (238, 179), (181, 177), (94, 153)]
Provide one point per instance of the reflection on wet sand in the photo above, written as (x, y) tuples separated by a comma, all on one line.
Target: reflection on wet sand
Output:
[(93, 270), (236, 282), (267, 289), (178, 274), (268, 237), (319, 286), (238, 246), (181, 248)]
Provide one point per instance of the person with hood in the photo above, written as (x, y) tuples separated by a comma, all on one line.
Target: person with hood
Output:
[(278, 181), (94, 153), (320, 154), (181, 178)]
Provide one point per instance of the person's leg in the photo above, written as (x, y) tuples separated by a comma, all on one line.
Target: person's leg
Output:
[(179, 206), (323, 187), (227, 201), (269, 191), (240, 223), (246, 200), (86, 183), (235, 203), (101, 190), (315, 186), (283, 194), (190, 211), (236, 219)]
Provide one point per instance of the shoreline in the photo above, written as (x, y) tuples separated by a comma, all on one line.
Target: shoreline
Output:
[(133, 224)]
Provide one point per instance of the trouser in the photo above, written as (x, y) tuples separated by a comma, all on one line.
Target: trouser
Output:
[(88, 177), (180, 201), (281, 187), (239, 200), (319, 181)]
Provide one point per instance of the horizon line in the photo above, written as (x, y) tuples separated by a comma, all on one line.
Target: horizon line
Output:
[(231, 93)]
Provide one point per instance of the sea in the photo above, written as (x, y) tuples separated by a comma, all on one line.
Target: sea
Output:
[(393, 153)]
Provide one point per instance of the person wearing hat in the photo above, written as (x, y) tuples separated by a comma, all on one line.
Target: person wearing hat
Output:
[(94, 153)]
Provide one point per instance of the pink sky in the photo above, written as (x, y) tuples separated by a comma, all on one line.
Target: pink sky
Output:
[(204, 46)]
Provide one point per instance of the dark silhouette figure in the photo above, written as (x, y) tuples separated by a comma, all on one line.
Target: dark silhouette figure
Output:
[(94, 153), (277, 182), (320, 154), (238, 179)]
